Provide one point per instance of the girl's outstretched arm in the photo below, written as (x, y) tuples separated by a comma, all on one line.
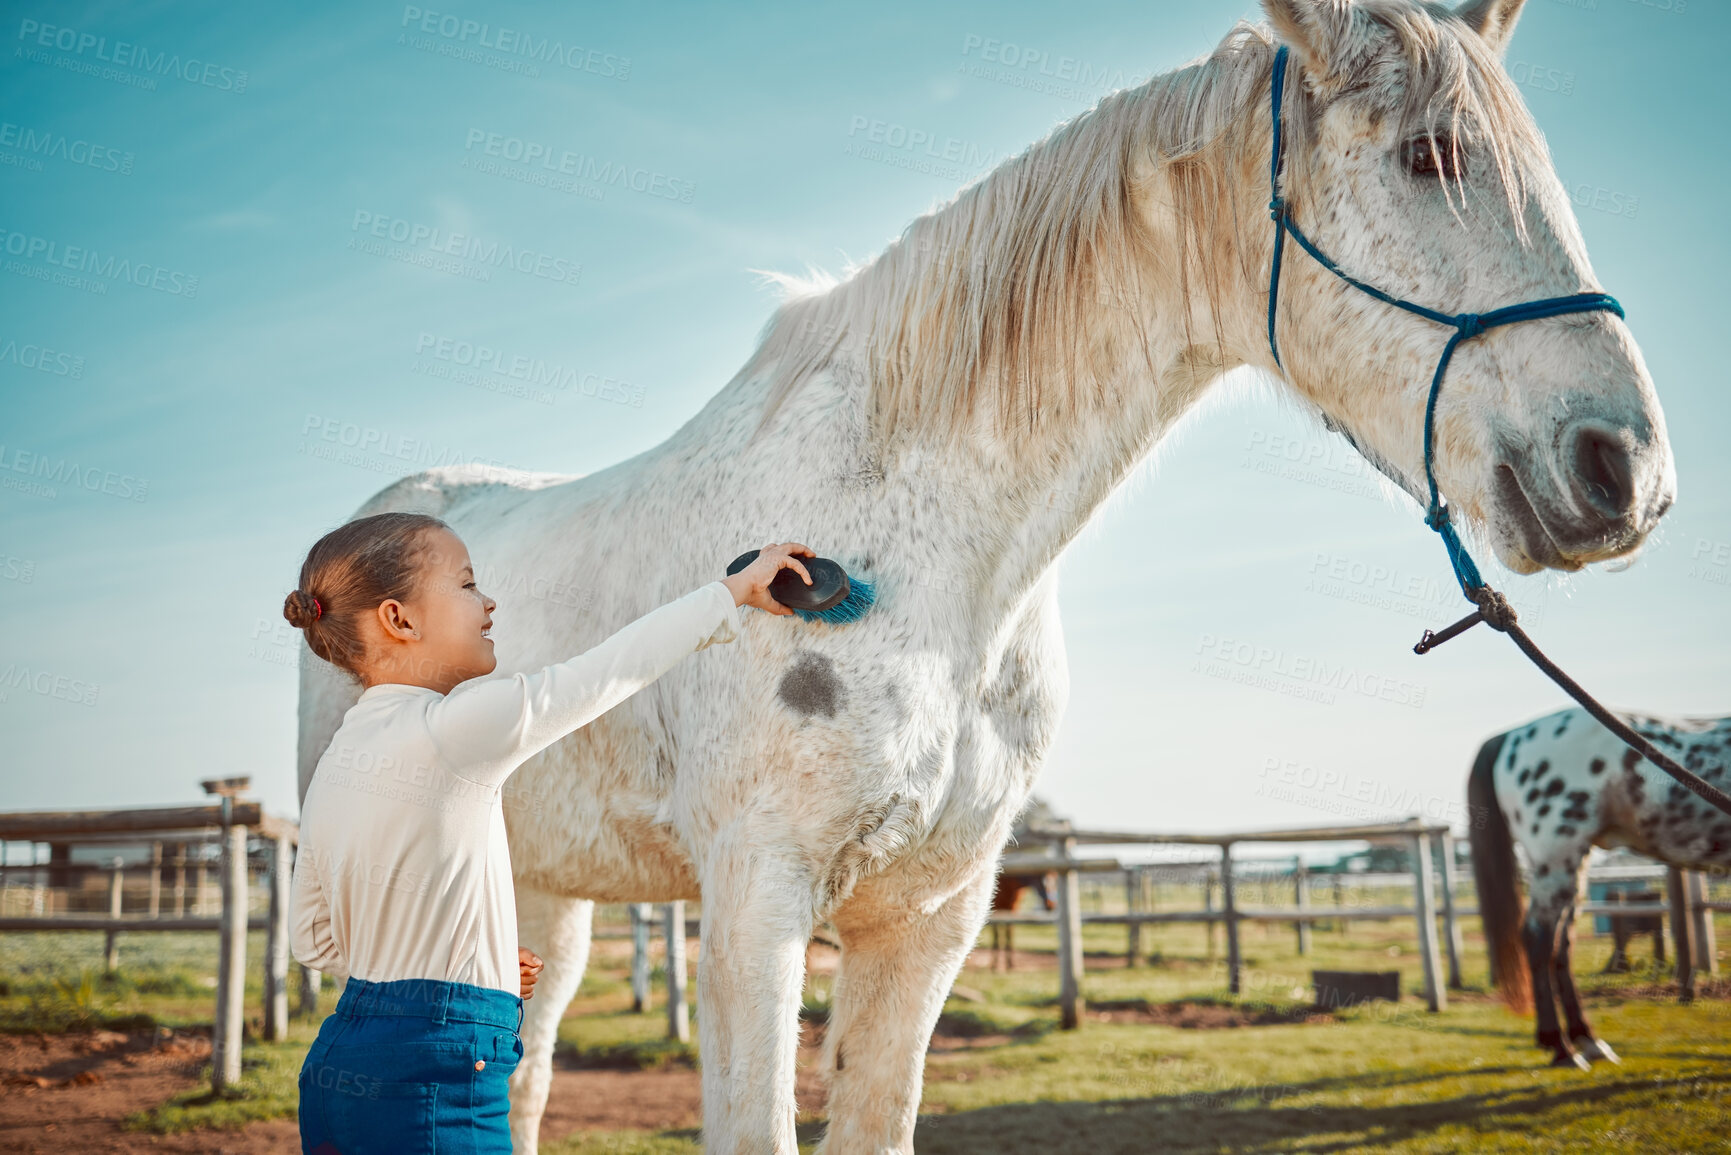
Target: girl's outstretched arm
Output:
[(491, 727)]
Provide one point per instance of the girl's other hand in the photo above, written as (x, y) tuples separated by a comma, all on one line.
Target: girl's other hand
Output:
[(750, 586), (529, 966)]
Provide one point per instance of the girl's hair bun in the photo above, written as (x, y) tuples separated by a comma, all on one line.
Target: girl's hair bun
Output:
[(301, 609)]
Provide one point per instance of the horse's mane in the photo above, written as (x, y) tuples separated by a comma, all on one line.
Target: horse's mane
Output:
[(1003, 288)]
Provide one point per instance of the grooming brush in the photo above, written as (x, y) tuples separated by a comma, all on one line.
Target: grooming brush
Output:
[(830, 597)]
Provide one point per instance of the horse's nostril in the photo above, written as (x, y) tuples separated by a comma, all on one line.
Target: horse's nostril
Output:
[(1603, 472)]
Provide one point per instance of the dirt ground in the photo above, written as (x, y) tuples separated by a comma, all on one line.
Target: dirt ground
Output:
[(68, 1093)]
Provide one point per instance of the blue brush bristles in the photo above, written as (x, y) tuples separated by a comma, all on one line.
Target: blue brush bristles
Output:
[(860, 596)]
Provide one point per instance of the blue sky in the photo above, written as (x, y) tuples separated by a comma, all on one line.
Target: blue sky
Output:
[(270, 153)]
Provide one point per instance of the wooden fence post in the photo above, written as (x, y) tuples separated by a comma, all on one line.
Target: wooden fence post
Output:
[(276, 950), (642, 916), (307, 1006), (1682, 936), (1301, 884), (179, 879), (231, 961), (1212, 927), (1229, 907), (1706, 948), (111, 940), (155, 901), (1070, 999), (678, 1016), (1424, 887), (1451, 925), (1133, 929)]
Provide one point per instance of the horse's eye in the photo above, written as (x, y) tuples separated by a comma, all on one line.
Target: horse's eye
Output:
[(1433, 158)]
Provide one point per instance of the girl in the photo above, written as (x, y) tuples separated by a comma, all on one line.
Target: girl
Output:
[(403, 879)]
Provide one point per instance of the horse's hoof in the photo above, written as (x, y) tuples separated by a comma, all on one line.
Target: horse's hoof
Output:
[(1570, 1059), (1597, 1050)]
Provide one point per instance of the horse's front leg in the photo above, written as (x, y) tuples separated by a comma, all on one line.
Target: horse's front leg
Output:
[(757, 920), (897, 966)]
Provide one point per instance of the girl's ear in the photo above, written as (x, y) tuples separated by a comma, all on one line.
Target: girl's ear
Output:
[(394, 620)]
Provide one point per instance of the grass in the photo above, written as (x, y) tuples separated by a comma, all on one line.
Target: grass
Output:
[(1382, 1078), (267, 1090)]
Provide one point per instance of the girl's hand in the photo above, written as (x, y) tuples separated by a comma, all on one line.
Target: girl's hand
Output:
[(529, 966), (750, 586)]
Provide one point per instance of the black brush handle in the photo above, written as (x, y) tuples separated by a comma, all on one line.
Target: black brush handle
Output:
[(829, 584)]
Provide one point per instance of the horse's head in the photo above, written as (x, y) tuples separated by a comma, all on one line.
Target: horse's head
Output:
[(1412, 162)]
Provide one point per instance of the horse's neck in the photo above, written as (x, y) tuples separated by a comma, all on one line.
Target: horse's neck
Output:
[(1011, 513), (1157, 304)]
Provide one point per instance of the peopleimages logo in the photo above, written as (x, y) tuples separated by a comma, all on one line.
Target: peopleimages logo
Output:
[(438, 242), (40, 468), (536, 374), (579, 166), (40, 358), (34, 144), (80, 259), (48, 684), (124, 54), (1309, 678), (514, 42)]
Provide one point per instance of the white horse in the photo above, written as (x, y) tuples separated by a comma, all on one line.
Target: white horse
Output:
[(1557, 788), (943, 422)]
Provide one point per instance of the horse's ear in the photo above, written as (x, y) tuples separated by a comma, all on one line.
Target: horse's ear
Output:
[(1318, 30), (1493, 20)]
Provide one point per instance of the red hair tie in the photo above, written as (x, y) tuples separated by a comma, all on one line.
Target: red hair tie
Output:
[(318, 610)]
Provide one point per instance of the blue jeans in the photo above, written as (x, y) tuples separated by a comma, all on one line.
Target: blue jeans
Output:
[(415, 1067)]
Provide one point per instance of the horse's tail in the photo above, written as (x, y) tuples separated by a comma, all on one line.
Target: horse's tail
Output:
[(1497, 877)]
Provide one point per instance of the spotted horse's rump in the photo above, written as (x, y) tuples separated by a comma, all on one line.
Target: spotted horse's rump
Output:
[(1558, 787)]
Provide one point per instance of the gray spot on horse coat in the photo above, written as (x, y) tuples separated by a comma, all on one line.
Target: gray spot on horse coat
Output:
[(811, 686), (897, 703)]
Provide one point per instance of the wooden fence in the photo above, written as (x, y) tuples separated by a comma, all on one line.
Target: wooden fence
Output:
[(1687, 902), (229, 822)]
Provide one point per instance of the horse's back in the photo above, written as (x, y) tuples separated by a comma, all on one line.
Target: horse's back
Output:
[(1567, 782)]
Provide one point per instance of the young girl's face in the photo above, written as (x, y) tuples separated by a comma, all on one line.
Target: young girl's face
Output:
[(437, 637)]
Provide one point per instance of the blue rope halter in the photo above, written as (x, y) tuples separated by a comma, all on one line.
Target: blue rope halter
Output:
[(1466, 326)]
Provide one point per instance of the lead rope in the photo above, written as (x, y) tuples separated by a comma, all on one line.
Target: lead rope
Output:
[(1493, 608)]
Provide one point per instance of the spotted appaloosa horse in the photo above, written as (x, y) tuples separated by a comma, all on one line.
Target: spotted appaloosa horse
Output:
[(1559, 787)]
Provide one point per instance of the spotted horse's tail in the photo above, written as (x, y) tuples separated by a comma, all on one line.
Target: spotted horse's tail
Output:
[(1497, 877)]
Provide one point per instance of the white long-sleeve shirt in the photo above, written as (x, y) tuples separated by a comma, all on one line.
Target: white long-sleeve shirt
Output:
[(403, 870)]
